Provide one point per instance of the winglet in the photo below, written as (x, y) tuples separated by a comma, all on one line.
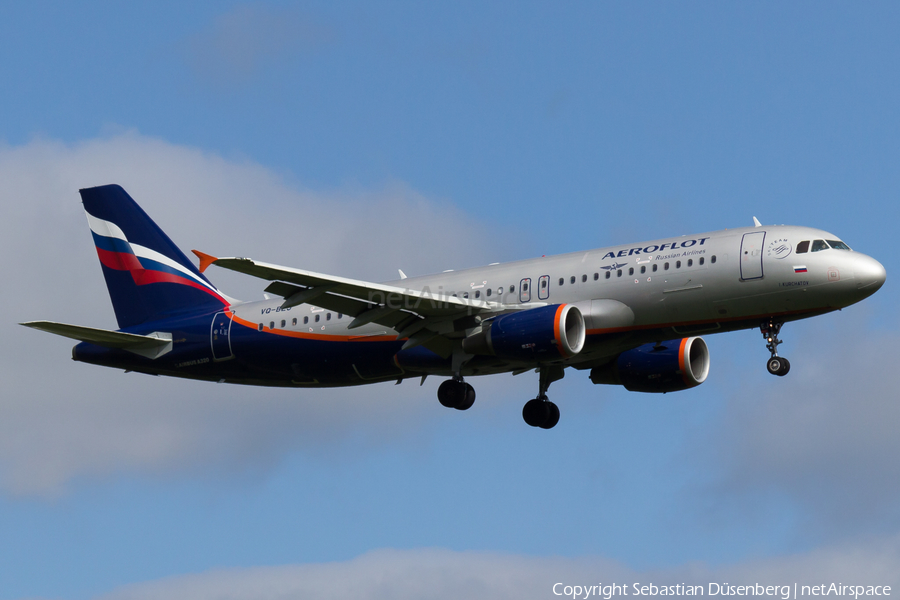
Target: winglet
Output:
[(205, 259), (756, 223)]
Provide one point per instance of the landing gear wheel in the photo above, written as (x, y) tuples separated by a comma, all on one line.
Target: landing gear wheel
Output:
[(449, 393), (457, 394), (468, 398), (773, 365), (540, 412), (778, 365), (785, 367), (535, 412), (552, 417)]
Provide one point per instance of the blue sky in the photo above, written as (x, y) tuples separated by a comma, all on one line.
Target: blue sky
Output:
[(357, 139)]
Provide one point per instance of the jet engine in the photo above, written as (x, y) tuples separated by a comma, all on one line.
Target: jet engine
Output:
[(658, 368), (544, 333)]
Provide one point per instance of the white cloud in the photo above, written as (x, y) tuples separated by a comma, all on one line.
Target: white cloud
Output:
[(825, 442), (825, 436), (439, 574), (63, 420)]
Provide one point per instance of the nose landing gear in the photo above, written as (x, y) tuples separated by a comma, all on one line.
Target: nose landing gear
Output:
[(776, 365), (540, 412)]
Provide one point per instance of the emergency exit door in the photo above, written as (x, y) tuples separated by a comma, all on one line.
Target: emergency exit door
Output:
[(525, 290)]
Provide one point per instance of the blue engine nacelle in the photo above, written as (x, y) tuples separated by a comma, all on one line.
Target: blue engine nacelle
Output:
[(537, 334), (658, 368)]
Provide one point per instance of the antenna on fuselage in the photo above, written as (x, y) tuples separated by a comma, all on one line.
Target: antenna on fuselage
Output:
[(756, 222)]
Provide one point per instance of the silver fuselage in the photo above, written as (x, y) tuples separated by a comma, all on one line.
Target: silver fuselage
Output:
[(638, 293)]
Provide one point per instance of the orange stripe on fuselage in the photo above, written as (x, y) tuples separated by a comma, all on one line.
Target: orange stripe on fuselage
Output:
[(322, 337)]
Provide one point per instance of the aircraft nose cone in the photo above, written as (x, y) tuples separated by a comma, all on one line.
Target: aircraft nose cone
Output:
[(869, 274)]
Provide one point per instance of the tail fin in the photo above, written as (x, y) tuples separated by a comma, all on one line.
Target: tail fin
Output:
[(148, 277)]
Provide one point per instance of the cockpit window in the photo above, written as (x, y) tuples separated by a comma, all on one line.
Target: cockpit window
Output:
[(803, 247), (838, 245), (819, 245)]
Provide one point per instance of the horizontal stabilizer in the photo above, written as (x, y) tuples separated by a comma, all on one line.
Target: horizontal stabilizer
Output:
[(153, 345)]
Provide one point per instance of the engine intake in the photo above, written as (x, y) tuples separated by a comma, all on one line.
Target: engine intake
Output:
[(658, 368), (544, 333)]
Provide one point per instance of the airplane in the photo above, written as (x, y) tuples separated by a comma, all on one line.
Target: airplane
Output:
[(628, 314)]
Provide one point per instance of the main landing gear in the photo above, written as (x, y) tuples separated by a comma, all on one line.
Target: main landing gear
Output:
[(776, 365), (540, 412), (456, 393)]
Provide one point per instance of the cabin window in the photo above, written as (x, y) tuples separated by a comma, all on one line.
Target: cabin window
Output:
[(713, 259), (512, 288), (340, 315), (690, 262), (328, 317), (608, 274), (305, 320), (260, 328), (596, 276), (666, 267), (478, 294), (524, 287), (572, 279), (271, 324), (643, 269), (561, 281), (631, 270), (583, 278), (543, 284), (619, 273), (317, 318), (677, 264), (655, 266), (803, 247), (701, 261), (489, 291), (283, 323), (819, 245), (294, 321)]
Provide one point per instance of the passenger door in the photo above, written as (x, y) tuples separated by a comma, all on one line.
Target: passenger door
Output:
[(220, 337), (751, 255)]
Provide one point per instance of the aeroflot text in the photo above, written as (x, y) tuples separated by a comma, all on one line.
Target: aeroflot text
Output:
[(785, 592), (655, 248)]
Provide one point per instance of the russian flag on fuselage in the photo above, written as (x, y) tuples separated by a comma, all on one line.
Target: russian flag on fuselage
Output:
[(136, 253)]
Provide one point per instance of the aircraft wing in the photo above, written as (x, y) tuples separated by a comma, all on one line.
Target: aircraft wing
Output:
[(423, 316)]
